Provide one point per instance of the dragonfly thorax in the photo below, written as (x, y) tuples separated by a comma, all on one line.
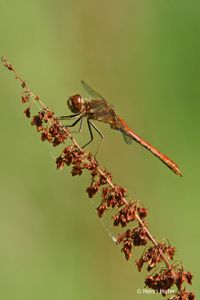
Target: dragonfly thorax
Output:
[(76, 103)]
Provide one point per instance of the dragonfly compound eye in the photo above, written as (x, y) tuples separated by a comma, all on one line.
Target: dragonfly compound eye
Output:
[(75, 103)]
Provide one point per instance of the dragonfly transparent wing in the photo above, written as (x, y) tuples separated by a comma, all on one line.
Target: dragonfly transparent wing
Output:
[(90, 91), (127, 138)]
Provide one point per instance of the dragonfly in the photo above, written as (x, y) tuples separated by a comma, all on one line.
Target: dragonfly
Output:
[(99, 109)]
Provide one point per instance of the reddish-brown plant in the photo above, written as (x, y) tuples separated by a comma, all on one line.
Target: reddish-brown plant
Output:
[(156, 254)]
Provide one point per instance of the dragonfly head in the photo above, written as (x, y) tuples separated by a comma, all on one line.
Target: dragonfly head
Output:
[(76, 103)]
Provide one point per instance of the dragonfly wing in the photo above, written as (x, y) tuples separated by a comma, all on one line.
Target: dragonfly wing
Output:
[(90, 91), (121, 126), (127, 139)]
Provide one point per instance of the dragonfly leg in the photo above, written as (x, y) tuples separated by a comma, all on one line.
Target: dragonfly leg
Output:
[(90, 125), (80, 119), (70, 117)]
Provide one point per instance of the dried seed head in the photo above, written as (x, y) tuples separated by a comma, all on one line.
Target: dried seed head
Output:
[(27, 112)]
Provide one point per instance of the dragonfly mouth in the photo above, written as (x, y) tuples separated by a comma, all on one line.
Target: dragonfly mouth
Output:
[(69, 103)]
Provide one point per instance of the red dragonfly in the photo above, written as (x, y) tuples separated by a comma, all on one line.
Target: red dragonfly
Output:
[(99, 109)]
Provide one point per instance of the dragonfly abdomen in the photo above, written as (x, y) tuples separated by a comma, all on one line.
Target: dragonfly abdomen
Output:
[(166, 160), (126, 131)]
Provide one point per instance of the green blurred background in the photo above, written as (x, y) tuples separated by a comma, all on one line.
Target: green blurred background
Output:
[(144, 56)]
